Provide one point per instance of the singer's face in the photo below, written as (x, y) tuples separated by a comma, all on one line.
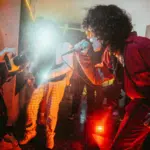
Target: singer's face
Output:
[(96, 43), (89, 34)]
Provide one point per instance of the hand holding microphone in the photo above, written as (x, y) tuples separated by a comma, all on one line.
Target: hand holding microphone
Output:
[(83, 46)]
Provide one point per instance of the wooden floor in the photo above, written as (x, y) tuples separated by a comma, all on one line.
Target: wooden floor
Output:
[(69, 134)]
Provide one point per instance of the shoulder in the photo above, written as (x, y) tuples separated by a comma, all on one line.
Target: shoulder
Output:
[(138, 42), (134, 43), (143, 42), (136, 47)]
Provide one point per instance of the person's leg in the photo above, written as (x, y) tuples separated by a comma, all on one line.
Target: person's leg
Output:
[(42, 107), (32, 111), (132, 131), (55, 95), (122, 103), (90, 98), (42, 110), (6, 128), (3, 117), (77, 93)]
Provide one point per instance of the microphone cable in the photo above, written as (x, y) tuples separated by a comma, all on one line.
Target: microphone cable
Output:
[(91, 85)]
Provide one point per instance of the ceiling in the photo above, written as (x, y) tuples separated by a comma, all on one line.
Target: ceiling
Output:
[(73, 11)]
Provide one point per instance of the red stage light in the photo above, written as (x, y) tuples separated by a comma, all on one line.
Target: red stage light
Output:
[(99, 129)]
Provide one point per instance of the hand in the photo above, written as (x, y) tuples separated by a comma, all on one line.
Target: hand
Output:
[(147, 122), (9, 51)]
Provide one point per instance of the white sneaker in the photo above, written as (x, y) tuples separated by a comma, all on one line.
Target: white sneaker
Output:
[(50, 141), (27, 137)]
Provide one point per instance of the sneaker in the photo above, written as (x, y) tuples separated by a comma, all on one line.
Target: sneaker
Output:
[(8, 146), (27, 137), (10, 139), (50, 141)]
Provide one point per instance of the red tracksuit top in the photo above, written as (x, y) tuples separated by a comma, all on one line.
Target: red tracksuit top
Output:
[(134, 63), (135, 48)]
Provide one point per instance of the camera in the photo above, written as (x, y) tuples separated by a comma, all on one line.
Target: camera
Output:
[(10, 66)]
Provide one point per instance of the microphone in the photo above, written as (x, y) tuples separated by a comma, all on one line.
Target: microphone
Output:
[(84, 44)]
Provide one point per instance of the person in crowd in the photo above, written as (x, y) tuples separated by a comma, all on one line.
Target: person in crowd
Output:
[(6, 126), (95, 95), (79, 83), (42, 108), (113, 28), (58, 78)]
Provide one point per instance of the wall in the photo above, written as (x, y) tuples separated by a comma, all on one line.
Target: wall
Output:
[(74, 10), (9, 34)]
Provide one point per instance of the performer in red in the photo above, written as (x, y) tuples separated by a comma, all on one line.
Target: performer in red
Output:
[(112, 27)]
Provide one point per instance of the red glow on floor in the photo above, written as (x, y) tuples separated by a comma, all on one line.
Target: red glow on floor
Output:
[(103, 142), (99, 129)]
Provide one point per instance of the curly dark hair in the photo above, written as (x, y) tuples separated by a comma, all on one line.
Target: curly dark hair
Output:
[(110, 24)]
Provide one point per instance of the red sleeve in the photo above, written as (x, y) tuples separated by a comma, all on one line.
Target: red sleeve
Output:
[(145, 55), (143, 77)]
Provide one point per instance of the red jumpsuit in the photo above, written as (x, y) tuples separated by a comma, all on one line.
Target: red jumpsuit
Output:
[(132, 131)]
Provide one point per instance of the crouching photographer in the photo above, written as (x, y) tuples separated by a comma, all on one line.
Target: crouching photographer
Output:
[(7, 71)]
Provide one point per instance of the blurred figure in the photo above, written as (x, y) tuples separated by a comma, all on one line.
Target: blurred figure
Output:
[(78, 83), (42, 108), (58, 76), (95, 96), (7, 137)]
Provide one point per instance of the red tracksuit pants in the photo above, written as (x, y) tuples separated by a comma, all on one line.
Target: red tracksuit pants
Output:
[(132, 132)]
